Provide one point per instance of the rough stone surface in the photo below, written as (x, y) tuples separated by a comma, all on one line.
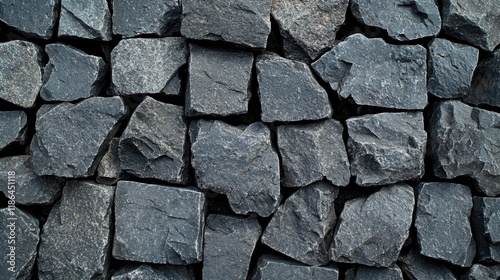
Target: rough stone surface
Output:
[(239, 162), (374, 273), (146, 65), (12, 128), (85, 19), (486, 228), (148, 17), (473, 21), (451, 67), (418, 267), (33, 18), (173, 87), (21, 72), (442, 222), (311, 152), (288, 91), (302, 227), (485, 87), (71, 74), (374, 73), (154, 143), (156, 272), (464, 142), (219, 81), (386, 148), (76, 239), (274, 268), (109, 170), (229, 244), (482, 272), (242, 22), (371, 231), (70, 138), (158, 224)]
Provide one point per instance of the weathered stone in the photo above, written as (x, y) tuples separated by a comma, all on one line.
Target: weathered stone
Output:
[(374, 73), (464, 142), (21, 72), (288, 91), (239, 162), (152, 271), (109, 170), (148, 17), (31, 17), (374, 273), (482, 272), (475, 22), (442, 222), (229, 244), (387, 147), (274, 268), (76, 239), (311, 152), (158, 224), (146, 65), (371, 231), (451, 67), (18, 259), (418, 267), (486, 228), (12, 128), (242, 22), (70, 138), (85, 19), (219, 81), (485, 87), (173, 87), (71, 74)]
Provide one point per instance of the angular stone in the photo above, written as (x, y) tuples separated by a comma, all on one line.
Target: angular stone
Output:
[(485, 87), (387, 147), (20, 256), (482, 272), (31, 189), (173, 87), (71, 74), (21, 72), (464, 142), (371, 231), (219, 81), (302, 227), (158, 224), (12, 128), (451, 67), (418, 267), (70, 138), (442, 223), (229, 244), (288, 91), (311, 152), (486, 228), (85, 19), (146, 65), (76, 239), (374, 73), (475, 22), (109, 170), (152, 271), (374, 273), (242, 22), (148, 17), (275, 268), (33, 18)]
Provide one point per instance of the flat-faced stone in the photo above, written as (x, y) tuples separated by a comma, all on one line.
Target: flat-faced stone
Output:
[(12, 128), (154, 271), (482, 272), (33, 18), (486, 228), (418, 267), (485, 89), (85, 19), (109, 170), (361, 272), (272, 267)]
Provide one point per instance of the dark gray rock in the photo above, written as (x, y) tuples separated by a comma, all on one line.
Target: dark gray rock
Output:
[(485, 87), (71, 74), (33, 18), (387, 147), (154, 272), (70, 138), (85, 19), (475, 22), (76, 239), (158, 224), (21, 72), (109, 170), (148, 17), (238, 162), (31, 189), (403, 20), (464, 142), (219, 81), (274, 268), (374, 273), (418, 267), (242, 22), (20, 236), (371, 231), (146, 65), (12, 128), (288, 91), (442, 223), (486, 228), (451, 67), (374, 73), (173, 87), (311, 152), (229, 244), (482, 272), (302, 227)]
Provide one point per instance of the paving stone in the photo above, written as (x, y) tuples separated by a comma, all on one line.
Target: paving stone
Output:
[(152, 271), (418, 267), (85, 19), (13, 126), (485, 89), (482, 272), (486, 228), (275, 268), (374, 273), (33, 18), (109, 170)]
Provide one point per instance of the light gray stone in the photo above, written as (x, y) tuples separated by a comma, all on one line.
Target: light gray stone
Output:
[(482, 272), (275, 268), (34, 18), (13, 126), (486, 228), (154, 272), (85, 19), (109, 170), (374, 273), (418, 267), (485, 89)]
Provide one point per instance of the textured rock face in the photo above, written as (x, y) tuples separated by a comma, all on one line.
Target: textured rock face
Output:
[(238, 162), (76, 239), (418, 267), (33, 18), (371, 231), (482, 272), (158, 224), (463, 142), (12, 128), (229, 244), (486, 83), (109, 170), (374, 273), (85, 19), (386, 148), (274, 268), (156, 272), (486, 228)]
